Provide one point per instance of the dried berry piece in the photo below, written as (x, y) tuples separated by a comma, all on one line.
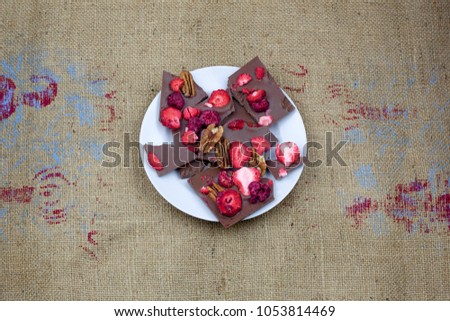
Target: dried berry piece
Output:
[(225, 179), (189, 137), (219, 98), (282, 172), (287, 153), (170, 117), (195, 124), (244, 176), (243, 79), (209, 117), (176, 100), (155, 162), (256, 95), (260, 144), (265, 120), (239, 154), (190, 112), (229, 202), (260, 106), (237, 124), (176, 83), (259, 73), (259, 192)]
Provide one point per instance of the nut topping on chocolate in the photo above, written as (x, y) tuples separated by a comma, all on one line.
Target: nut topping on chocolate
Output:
[(210, 137), (188, 88), (223, 157), (258, 161)]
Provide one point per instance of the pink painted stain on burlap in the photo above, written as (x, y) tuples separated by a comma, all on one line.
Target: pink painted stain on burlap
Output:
[(412, 205)]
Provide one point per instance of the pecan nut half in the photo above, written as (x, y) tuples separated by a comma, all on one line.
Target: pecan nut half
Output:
[(188, 88), (210, 136)]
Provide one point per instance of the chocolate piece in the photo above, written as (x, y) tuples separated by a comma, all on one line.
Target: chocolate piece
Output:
[(170, 157), (245, 134), (191, 169), (240, 114), (279, 105), (274, 167), (188, 101), (223, 112), (210, 175)]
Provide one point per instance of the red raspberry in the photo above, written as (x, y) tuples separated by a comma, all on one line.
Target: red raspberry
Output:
[(225, 179), (259, 73), (209, 117), (176, 100), (259, 192), (170, 117), (260, 105), (229, 202), (195, 124)]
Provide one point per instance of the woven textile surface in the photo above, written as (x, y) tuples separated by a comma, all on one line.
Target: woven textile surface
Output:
[(76, 75)]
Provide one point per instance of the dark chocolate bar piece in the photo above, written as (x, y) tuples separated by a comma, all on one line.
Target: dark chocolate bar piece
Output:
[(200, 94), (210, 175), (279, 105), (170, 157)]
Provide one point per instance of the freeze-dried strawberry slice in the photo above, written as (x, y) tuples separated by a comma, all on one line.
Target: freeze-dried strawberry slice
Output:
[(244, 176), (259, 73), (243, 79), (229, 202), (190, 112), (265, 120), (256, 95), (260, 144), (287, 153), (219, 98), (155, 162), (170, 117), (239, 154), (189, 137), (176, 83), (237, 124)]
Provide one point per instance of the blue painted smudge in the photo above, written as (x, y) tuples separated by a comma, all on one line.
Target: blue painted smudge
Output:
[(377, 220), (84, 109), (97, 87), (365, 176), (354, 136)]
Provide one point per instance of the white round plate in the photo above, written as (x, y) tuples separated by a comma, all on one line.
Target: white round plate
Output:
[(177, 191)]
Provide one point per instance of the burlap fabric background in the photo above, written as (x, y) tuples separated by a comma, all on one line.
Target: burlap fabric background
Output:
[(373, 73)]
